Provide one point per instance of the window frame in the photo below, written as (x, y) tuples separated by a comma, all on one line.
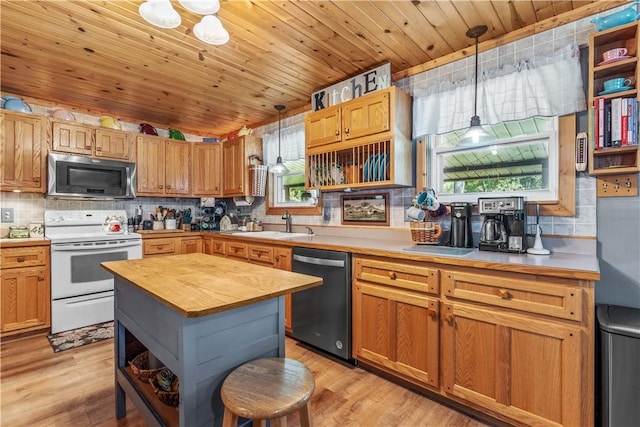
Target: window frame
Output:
[(271, 209), (566, 188)]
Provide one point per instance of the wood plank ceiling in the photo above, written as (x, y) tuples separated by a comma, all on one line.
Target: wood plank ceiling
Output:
[(100, 57)]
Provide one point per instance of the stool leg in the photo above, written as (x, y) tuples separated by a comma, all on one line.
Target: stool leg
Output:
[(279, 422), (229, 419), (305, 416), (259, 423)]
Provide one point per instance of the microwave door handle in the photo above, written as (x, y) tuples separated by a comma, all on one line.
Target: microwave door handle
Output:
[(74, 247)]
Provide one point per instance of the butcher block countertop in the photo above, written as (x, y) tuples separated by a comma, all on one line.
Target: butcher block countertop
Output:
[(196, 285)]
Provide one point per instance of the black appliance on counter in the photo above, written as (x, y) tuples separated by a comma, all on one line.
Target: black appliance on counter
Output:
[(504, 226), (461, 234), (211, 215), (322, 315)]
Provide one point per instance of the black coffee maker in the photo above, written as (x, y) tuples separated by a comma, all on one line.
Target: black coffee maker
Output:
[(461, 236)]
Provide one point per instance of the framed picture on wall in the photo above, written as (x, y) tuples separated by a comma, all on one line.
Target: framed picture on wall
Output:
[(365, 209)]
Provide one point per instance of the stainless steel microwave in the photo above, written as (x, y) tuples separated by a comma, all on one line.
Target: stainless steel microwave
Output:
[(79, 177)]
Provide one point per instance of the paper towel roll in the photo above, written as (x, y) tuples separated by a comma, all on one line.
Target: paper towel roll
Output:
[(243, 201)]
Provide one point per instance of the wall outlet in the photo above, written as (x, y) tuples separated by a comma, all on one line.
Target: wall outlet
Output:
[(326, 213), (6, 214)]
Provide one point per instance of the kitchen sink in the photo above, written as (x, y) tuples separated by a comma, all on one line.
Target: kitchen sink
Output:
[(440, 250), (280, 235)]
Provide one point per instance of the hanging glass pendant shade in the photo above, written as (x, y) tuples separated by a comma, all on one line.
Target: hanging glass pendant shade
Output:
[(279, 167), (476, 134)]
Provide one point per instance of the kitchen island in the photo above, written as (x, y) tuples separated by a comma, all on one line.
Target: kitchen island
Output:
[(201, 316)]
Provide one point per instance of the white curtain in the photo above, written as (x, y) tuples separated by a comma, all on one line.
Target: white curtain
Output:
[(291, 144), (548, 86)]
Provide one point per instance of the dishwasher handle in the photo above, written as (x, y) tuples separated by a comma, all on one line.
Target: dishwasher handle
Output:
[(320, 261)]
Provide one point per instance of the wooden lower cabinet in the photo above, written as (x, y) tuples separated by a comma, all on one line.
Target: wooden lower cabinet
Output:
[(283, 261), (396, 327), (525, 368), (191, 245), (211, 245), (25, 291), (515, 346)]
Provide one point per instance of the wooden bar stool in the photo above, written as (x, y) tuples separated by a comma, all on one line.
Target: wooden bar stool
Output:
[(268, 389)]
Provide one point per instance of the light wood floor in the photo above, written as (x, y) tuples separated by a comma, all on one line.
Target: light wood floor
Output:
[(76, 388)]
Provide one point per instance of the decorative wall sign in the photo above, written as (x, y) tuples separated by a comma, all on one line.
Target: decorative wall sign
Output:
[(365, 209), (354, 87)]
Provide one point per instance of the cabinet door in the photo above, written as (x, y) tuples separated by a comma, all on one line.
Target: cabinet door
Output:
[(178, 168), (191, 246), (524, 368), (73, 138), (397, 330), (233, 172), (323, 127), (367, 115), (25, 299), (207, 169), (22, 153), (213, 246), (112, 144), (150, 165)]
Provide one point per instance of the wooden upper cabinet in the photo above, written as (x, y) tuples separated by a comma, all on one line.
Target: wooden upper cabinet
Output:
[(365, 142), (22, 152), (177, 167), (207, 169), (73, 138), (113, 144), (367, 115), (323, 127), (81, 139), (150, 165), (164, 166), (235, 155)]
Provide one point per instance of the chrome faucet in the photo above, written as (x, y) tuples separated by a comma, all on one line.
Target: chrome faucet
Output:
[(287, 223)]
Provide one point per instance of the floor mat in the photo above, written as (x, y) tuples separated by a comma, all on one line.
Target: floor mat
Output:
[(81, 336)]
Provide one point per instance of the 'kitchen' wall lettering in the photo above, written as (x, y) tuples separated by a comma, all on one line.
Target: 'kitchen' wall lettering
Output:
[(362, 84)]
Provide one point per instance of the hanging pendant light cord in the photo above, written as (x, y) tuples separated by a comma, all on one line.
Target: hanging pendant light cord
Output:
[(475, 104)]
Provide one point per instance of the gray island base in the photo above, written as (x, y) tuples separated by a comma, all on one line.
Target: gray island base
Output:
[(200, 350)]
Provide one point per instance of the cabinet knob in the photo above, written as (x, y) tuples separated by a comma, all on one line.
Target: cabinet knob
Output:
[(337, 132), (168, 187), (392, 275), (41, 278), (87, 147), (432, 313), (160, 187), (346, 130), (504, 294), (20, 259), (36, 179), (449, 318)]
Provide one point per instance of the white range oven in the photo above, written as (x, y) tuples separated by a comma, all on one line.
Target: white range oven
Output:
[(81, 290)]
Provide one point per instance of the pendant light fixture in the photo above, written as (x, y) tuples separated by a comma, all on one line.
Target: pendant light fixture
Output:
[(279, 167), (476, 134)]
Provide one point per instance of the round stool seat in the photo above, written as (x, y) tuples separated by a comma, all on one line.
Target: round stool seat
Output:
[(268, 388)]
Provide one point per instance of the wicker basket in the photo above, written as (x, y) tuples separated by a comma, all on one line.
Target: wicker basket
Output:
[(171, 398), (427, 232), (140, 367), (257, 177)]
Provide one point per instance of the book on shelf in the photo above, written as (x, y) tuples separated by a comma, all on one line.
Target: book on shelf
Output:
[(615, 122)]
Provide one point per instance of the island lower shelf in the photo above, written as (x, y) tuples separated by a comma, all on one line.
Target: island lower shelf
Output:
[(168, 415)]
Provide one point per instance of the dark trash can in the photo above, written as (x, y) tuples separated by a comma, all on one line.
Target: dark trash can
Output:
[(618, 381)]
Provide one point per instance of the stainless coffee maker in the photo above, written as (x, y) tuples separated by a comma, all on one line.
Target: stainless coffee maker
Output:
[(503, 229), (461, 236)]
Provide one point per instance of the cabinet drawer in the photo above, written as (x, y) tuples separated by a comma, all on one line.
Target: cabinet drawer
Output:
[(236, 250), (214, 247), (399, 274), (23, 257), (531, 295), (160, 246), (263, 254)]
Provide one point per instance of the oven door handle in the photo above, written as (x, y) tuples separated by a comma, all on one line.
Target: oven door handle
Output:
[(80, 247)]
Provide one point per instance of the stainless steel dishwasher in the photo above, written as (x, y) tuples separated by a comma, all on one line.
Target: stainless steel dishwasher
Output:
[(322, 315)]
